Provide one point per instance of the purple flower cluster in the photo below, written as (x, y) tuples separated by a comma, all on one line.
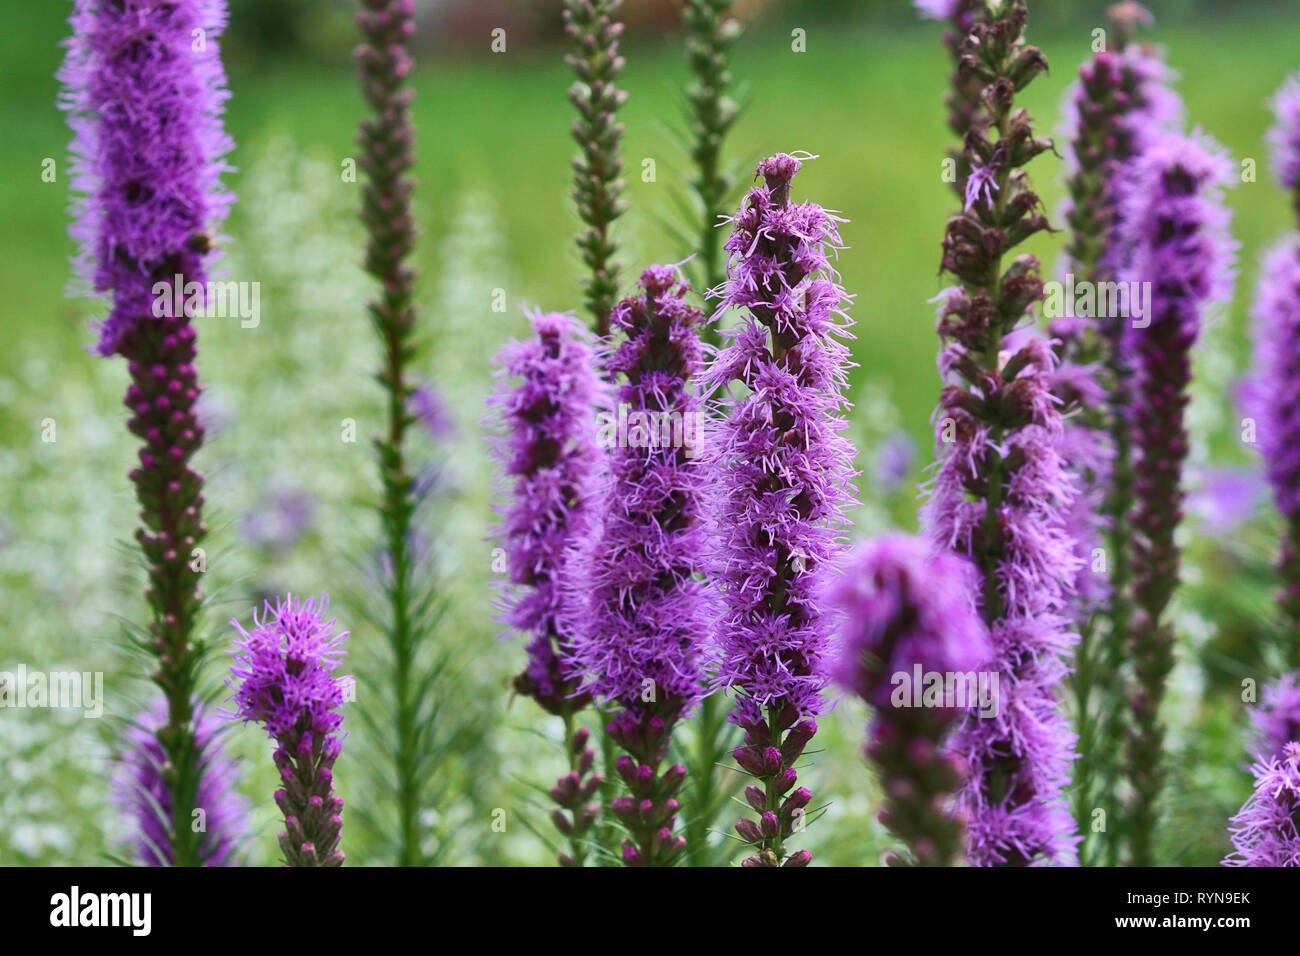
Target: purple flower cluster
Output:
[(638, 606), (783, 476), (546, 398), (1276, 721), (1020, 758), (908, 611), (282, 678), (1176, 229), (1266, 831), (1276, 400), (145, 799), (144, 89)]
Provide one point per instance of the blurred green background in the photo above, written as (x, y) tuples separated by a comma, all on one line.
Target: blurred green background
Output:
[(289, 498)]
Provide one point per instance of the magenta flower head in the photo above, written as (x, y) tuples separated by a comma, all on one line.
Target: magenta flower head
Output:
[(783, 478), (545, 401), (144, 89), (283, 679), (1265, 832), (910, 623), (145, 799), (638, 606)]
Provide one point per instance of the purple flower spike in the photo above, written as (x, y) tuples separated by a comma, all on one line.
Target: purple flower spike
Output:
[(545, 401), (783, 478), (143, 796), (546, 398), (1001, 493), (907, 612), (1176, 225), (143, 87), (638, 603), (283, 679), (1276, 397), (148, 199), (1265, 832)]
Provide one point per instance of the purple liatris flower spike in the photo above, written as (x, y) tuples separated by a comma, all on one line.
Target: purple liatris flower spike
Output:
[(638, 606), (1001, 492), (147, 198), (144, 90), (283, 678), (1266, 831), (1176, 225), (1276, 394), (545, 402), (783, 475), (145, 799), (1119, 103), (909, 613)]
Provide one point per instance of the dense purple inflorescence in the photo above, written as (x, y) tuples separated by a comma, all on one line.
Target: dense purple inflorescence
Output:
[(1023, 819), (1001, 492), (1266, 831), (783, 480), (282, 678), (545, 402), (638, 602), (908, 611), (145, 799), (546, 399), (1176, 227), (1276, 401), (144, 89)]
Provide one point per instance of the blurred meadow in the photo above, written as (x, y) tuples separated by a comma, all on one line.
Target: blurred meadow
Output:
[(290, 501)]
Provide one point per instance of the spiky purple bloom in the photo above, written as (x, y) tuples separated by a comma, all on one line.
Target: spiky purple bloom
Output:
[(1276, 405), (908, 611), (282, 678), (783, 478), (638, 608), (1284, 135), (1020, 759), (545, 401), (1276, 721), (1119, 102), (545, 398), (1001, 492), (143, 87), (1266, 831), (144, 90), (1176, 226), (144, 798)]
